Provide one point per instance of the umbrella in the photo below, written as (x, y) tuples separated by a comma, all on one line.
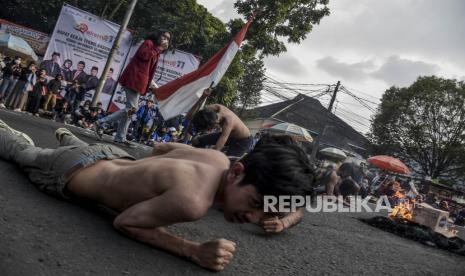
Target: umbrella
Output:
[(389, 163), (299, 133), (16, 46), (334, 152)]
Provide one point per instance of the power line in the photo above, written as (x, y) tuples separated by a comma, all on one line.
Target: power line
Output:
[(360, 100), (348, 116), (280, 90), (357, 97), (363, 93), (295, 83), (353, 113)]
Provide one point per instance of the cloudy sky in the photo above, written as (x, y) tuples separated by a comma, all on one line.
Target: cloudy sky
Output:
[(369, 46)]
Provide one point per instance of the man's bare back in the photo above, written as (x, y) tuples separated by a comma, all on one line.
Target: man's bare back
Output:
[(228, 119), (119, 184), (234, 137), (178, 184)]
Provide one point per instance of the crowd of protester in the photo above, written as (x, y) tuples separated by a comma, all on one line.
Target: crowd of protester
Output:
[(350, 179), (32, 89)]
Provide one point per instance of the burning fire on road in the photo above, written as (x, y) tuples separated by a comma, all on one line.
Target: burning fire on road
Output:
[(420, 222)]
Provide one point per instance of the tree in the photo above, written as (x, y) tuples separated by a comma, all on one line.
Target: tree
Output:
[(195, 29), (250, 84), (424, 124), (290, 19)]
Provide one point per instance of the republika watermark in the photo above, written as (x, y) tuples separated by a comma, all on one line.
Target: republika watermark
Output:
[(324, 203)]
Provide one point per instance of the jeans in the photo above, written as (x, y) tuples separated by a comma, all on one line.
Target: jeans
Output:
[(7, 86), (123, 115), (48, 168)]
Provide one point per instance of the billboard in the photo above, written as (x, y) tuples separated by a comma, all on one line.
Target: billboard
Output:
[(85, 40)]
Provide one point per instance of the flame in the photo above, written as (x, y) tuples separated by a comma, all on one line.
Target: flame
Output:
[(404, 208)]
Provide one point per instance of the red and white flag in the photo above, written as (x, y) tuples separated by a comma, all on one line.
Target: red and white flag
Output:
[(179, 95)]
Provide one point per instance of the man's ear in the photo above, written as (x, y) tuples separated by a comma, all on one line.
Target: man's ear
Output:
[(236, 170)]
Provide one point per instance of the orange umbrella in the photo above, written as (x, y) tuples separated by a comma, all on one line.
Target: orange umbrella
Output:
[(389, 163)]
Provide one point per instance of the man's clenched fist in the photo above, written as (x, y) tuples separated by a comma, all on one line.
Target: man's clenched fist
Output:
[(214, 255)]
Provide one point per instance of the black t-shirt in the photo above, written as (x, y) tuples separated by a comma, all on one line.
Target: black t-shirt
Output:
[(89, 118)]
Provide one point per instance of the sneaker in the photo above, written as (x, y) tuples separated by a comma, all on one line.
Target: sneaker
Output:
[(98, 130), (7, 128), (62, 131), (2, 105), (17, 110), (124, 144)]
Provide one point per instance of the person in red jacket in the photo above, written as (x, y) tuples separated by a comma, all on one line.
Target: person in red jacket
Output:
[(135, 80)]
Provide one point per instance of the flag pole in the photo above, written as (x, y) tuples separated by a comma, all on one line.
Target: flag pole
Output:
[(196, 107)]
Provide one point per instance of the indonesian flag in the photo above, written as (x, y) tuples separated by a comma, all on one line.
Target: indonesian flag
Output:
[(179, 95)]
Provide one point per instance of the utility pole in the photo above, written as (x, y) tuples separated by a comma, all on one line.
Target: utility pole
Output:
[(316, 143), (113, 50), (333, 98)]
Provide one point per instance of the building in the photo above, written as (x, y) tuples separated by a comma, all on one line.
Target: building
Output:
[(308, 113)]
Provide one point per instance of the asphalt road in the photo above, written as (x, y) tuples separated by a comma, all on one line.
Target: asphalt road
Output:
[(40, 235)]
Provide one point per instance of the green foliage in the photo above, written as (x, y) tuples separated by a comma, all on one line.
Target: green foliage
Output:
[(286, 19), (197, 31), (424, 123), (251, 83)]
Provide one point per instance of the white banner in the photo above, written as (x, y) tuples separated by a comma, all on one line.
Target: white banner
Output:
[(171, 65), (81, 37), (37, 40)]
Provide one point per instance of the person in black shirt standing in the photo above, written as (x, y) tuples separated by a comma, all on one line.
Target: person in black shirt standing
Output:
[(38, 91)]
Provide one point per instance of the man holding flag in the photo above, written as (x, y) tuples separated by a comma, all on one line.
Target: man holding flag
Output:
[(136, 79), (179, 95)]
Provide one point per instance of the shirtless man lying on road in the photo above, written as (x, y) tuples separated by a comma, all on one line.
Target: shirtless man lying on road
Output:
[(177, 184)]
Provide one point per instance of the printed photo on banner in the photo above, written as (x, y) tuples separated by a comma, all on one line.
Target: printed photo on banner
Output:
[(78, 50)]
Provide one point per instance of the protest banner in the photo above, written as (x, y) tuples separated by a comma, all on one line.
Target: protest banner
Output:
[(171, 65), (83, 38), (37, 40)]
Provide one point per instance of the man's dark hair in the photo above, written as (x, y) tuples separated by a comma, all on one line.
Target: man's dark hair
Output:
[(82, 62), (55, 54), (275, 169), (94, 68), (281, 139), (347, 187), (156, 35), (68, 60), (204, 119)]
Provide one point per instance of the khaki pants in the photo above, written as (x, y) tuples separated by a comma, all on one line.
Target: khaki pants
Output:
[(50, 98)]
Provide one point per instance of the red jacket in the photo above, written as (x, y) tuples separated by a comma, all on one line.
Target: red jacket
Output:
[(139, 72)]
